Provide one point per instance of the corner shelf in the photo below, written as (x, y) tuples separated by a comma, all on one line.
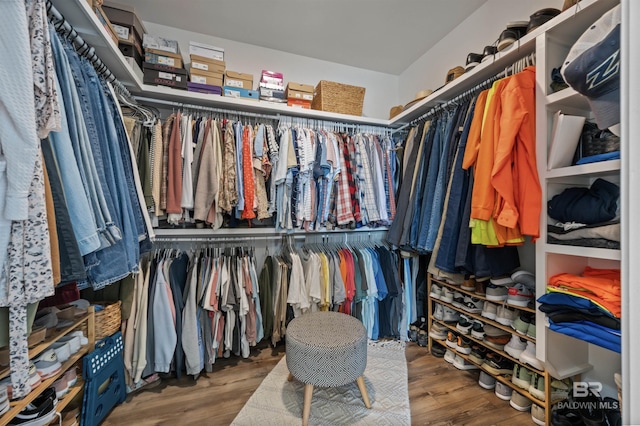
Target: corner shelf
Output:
[(592, 252), (599, 169)]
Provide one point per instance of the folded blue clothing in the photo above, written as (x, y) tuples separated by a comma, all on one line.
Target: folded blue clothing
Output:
[(590, 332), (580, 304), (615, 155)]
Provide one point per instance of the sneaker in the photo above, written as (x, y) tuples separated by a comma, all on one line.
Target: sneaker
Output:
[(79, 333), (446, 295), (39, 412), (520, 402), (61, 386), (524, 277), (458, 299), (413, 331), (521, 377), (537, 414), (438, 350), (469, 284), (520, 295), (47, 364), (531, 330), (503, 391), (72, 376), (515, 346), (502, 280), (464, 324), (478, 354), (438, 331), (463, 345), (462, 364), (497, 364), (473, 305), (423, 339), (515, 30), (560, 389), (521, 324), (438, 312), (536, 387), (505, 315), (497, 342), (529, 356), (452, 340), (4, 399), (473, 60), (436, 291), (488, 52), (489, 310), (450, 315), (486, 381), (565, 416), (63, 350), (34, 377), (481, 286), (477, 330), (496, 293), (449, 356), (75, 342)]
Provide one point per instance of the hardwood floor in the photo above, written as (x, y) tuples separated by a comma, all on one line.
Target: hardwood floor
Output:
[(439, 394)]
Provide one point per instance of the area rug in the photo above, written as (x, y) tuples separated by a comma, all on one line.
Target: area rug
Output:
[(279, 402)]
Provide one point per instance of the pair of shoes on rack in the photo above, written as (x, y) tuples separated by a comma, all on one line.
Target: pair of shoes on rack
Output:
[(34, 381), (517, 29), (39, 412)]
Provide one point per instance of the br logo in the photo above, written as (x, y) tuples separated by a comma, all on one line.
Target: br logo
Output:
[(581, 389)]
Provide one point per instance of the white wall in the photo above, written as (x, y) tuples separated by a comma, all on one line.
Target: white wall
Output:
[(480, 29), (381, 89)]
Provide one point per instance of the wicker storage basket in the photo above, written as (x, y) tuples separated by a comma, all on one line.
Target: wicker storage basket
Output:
[(337, 97), (107, 321)]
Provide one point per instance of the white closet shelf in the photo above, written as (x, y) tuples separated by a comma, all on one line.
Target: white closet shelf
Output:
[(252, 232), (567, 98), (592, 252), (163, 93), (599, 169)]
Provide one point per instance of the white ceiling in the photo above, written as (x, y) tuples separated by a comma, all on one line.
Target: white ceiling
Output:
[(379, 35)]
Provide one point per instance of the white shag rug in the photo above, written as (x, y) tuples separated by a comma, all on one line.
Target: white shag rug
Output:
[(279, 402)]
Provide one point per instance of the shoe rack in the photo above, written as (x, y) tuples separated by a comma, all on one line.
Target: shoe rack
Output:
[(18, 405), (563, 355), (505, 379)]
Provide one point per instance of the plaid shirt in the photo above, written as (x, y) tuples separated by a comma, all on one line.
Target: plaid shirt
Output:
[(388, 182), (343, 203), (351, 166), (366, 180), (166, 135)]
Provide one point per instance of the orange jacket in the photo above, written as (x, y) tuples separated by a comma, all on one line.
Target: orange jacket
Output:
[(602, 286), (515, 174)]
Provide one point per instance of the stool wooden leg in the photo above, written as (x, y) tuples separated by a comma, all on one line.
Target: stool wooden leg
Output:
[(363, 391), (290, 378), (308, 392)]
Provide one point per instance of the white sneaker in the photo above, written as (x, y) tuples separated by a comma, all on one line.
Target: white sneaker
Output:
[(438, 331), (447, 295), (505, 315), (436, 291), (462, 364), (449, 356), (438, 312), (529, 356), (515, 346), (520, 295), (47, 364), (458, 299), (63, 350), (489, 310), (80, 334), (450, 315)]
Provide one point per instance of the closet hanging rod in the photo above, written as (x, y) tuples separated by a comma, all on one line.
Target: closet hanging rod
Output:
[(83, 48), (517, 66), (310, 122), (222, 240)]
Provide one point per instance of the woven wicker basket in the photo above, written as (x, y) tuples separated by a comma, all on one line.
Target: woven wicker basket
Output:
[(107, 321), (337, 97)]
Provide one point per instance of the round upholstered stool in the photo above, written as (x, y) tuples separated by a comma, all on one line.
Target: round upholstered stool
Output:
[(326, 349)]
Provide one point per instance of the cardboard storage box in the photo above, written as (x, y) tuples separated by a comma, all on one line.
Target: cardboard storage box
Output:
[(204, 88), (203, 77), (299, 103), (126, 36), (206, 51), (129, 50), (338, 97), (165, 68), (207, 64), (271, 93), (156, 58), (238, 79), (164, 78), (238, 92), (299, 91), (106, 23), (125, 16), (160, 43)]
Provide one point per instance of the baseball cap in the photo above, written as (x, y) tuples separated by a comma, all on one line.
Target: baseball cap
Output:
[(592, 68)]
